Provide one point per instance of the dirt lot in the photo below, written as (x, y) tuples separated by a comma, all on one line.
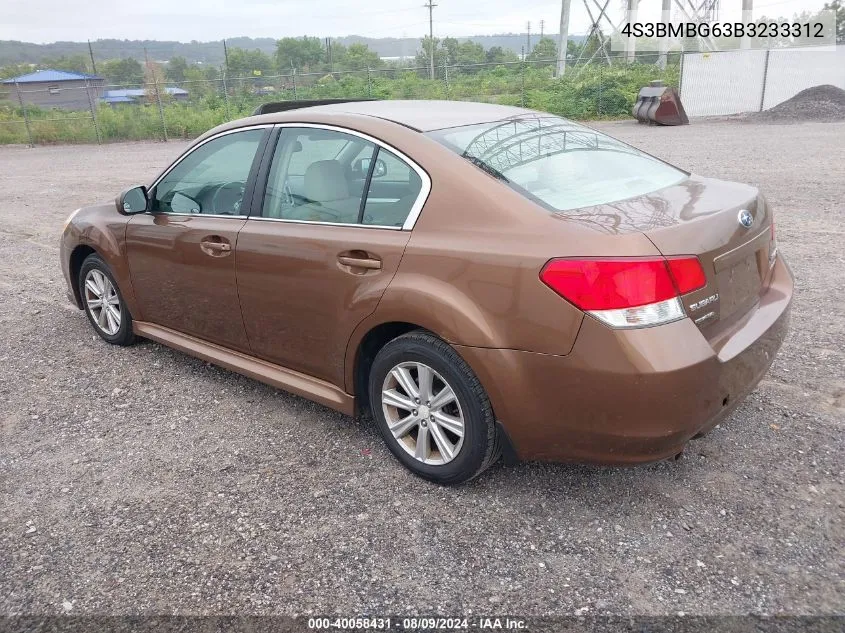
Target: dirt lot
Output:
[(140, 480)]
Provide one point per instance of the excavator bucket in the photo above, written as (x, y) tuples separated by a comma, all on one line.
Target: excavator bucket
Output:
[(660, 104)]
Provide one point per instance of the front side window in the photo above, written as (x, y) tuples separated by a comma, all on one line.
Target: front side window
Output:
[(212, 178), (322, 175), (557, 163)]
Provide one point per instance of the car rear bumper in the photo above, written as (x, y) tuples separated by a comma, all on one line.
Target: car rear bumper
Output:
[(630, 396)]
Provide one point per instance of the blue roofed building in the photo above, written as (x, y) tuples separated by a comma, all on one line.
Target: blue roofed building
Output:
[(55, 89)]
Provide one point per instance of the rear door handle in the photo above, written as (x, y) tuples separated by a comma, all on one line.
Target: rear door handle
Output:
[(359, 261)]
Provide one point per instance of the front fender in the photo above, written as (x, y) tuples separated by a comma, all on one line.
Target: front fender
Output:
[(103, 230)]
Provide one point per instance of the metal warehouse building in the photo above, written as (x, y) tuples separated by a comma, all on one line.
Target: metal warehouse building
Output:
[(56, 89)]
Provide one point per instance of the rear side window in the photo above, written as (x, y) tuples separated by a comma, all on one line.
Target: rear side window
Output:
[(557, 163), (394, 188), (329, 176)]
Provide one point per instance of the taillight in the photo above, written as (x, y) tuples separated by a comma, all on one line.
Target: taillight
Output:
[(626, 292), (687, 273)]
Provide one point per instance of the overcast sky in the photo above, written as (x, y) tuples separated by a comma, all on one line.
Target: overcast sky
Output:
[(185, 20)]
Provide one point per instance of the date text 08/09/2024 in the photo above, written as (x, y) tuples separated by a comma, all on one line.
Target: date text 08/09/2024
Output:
[(416, 623)]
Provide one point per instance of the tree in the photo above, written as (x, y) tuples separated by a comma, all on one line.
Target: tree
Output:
[(838, 8), (200, 80), (15, 70), (254, 63), (498, 55), (359, 56), (545, 50), (154, 82), (176, 68), (122, 71), (303, 54), (470, 53), (450, 46), (71, 63), (440, 52)]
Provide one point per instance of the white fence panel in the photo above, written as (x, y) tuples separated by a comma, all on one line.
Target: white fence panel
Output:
[(791, 71), (732, 82), (714, 84)]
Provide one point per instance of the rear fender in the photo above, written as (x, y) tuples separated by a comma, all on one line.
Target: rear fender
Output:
[(430, 304)]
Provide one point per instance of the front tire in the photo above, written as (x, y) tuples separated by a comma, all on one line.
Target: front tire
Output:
[(103, 302), (431, 409)]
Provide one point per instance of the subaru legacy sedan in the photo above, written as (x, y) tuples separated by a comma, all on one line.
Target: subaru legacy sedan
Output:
[(478, 279)]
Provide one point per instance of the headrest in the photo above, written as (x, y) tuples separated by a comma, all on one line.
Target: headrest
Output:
[(325, 181)]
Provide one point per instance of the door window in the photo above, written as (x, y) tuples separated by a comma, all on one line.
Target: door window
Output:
[(319, 175), (212, 178), (316, 176), (394, 188)]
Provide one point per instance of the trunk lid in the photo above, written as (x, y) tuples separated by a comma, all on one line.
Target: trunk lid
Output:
[(728, 226), (701, 217)]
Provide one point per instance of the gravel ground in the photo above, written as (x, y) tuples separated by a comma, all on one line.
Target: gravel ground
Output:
[(139, 480)]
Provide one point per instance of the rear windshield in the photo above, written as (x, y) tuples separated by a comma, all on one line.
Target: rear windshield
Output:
[(558, 163)]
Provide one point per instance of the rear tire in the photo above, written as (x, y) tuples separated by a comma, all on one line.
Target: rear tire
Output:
[(431, 409), (103, 302)]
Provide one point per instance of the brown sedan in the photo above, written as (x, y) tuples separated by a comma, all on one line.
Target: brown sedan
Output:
[(481, 279)]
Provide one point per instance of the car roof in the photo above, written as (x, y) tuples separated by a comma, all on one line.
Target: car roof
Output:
[(420, 115)]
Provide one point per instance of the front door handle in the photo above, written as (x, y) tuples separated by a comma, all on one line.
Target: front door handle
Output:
[(359, 259)]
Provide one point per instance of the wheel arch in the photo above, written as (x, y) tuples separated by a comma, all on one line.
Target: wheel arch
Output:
[(364, 352), (78, 255), (413, 302)]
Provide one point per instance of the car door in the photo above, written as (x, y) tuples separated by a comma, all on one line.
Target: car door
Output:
[(182, 252), (310, 265)]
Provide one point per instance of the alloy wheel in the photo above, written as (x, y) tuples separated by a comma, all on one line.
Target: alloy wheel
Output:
[(423, 413), (103, 302)]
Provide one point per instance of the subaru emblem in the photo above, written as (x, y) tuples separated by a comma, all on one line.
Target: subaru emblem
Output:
[(745, 218)]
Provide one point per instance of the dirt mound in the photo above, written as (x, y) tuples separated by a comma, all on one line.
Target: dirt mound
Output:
[(819, 103)]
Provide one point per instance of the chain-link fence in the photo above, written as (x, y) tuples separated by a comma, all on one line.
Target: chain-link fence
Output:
[(93, 112), (730, 82)]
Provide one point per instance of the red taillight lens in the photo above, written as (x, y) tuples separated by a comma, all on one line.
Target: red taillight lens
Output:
[(612, 284), (687, 273)]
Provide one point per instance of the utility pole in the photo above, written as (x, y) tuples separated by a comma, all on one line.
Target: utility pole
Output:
[(91, 53), (542, 28), (630, 42), (226, 57), (430, 6), (562, 37), (665, 17), (528, 27), (747, 13)]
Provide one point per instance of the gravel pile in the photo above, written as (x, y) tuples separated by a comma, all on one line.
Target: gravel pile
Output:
[(819, 103)]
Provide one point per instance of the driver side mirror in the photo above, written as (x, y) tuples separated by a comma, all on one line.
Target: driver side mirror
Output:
[(363, 166), (133, 200)]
